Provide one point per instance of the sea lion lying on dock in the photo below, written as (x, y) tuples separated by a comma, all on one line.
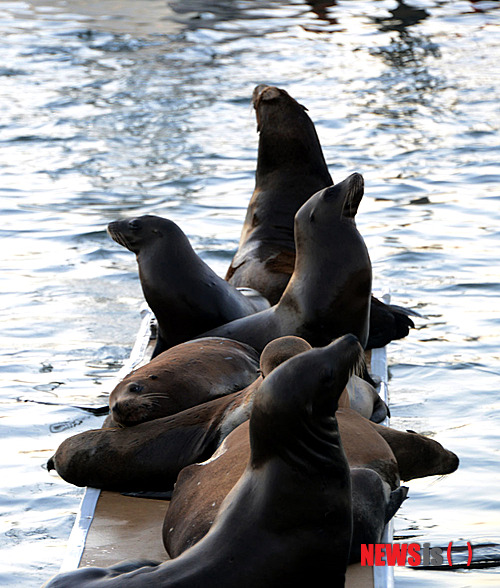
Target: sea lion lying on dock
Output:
[(149, 456), (183, 376), (200, 370), (393, 455)]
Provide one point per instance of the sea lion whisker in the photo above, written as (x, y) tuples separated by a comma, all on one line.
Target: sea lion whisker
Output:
[(120, 239)]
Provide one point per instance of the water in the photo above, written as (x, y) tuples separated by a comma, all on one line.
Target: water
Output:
[(116, 109)]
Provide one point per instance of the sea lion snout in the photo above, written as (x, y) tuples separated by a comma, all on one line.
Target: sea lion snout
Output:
[(450, 462), (131, 411), (350, 192)]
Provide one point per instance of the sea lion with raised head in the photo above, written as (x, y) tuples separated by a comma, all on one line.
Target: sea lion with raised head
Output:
[(183, 376), (290, 169), (329, 292), (288, 520), (186, 296), (149, 455)]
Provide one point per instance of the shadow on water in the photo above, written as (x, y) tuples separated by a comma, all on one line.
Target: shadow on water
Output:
[(320, 9), (407, 89), (402, 17), (407, 55)]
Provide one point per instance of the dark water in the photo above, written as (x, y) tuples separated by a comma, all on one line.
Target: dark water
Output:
[(113, 109)]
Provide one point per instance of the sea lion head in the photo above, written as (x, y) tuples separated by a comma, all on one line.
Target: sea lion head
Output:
[(334, 203), (294, 409), (331, 284), (136, 233), (272, 104), (185, 375), (288, 141), (137, 398), (280, 349)]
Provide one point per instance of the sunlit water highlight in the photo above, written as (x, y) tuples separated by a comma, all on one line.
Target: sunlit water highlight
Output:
[(116, 109)]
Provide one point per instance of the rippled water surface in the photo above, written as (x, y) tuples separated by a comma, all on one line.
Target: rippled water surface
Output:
[(113, 109)]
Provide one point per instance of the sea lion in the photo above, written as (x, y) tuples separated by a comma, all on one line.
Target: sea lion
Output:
[(183, 376), (364, 399), (288, 520), (329, 292), (201, 488), (149, 455), (186, 296), (373, 506), (290, 169), (417, 455)]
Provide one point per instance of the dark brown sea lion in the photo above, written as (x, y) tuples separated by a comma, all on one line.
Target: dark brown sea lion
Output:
[(417, 455), (201, 488), (149, 456), (186, 296), (373, 506), (185, 375), (290, 169), (287, 522), (329, 292)]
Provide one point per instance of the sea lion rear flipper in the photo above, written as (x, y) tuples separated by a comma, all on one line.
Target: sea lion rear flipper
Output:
[(380, 411), (396, 499), (388, 323)]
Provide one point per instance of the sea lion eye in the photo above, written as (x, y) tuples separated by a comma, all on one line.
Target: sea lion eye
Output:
[(134, 225), (153, 377), (135, 388)]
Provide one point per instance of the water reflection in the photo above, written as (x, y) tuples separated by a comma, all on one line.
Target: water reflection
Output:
[(320, 9), (119, 107), (150, 17), (408, 83), (402, 17)]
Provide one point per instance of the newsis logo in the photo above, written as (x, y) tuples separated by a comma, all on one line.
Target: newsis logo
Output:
[(411, 554)]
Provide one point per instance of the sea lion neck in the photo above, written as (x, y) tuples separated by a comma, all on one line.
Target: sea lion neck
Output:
[(297, 150)]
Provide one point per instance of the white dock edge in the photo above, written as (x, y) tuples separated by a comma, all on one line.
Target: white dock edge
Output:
[(78, 535), (383, 576)]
